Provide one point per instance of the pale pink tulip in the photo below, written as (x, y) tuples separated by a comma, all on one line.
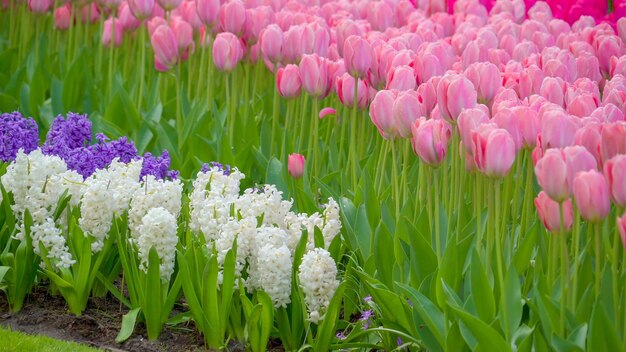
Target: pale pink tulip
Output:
[(591, 193), (295, 165), (39, 6), (345, 91), (288, 81), (142, 9), (558, 129), (430, 139), (401, 78), (615, 173), (63, 17), (455, 93), (165, 46), (493, 149), (208, 11), (112, 29), (549, 213), (227, 51), (613, 140), (233, 17), (551, 172), (381, 113), (315, 75), (468, 121), (271, 43), (486, 79), (357, 54), (406, 109)]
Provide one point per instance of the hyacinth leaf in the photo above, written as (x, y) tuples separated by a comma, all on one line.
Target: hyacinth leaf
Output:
[(391, 304), (128, 325), (73, 80), (481, 290), (488, 339), (3, 271), (363, 232), (524, 252), (153, 296), (425, 263), (511, 299), (326, 329), (426, 312), (383, 252), (602, 335), (561, 344), (228, 285), (274, 175)]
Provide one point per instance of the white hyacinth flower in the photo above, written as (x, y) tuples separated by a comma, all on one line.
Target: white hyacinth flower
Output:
[(158, 229), (274, 268), (151, 194), (318, 280)]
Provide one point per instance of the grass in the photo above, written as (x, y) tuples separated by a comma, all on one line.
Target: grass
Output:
[(16, 342)]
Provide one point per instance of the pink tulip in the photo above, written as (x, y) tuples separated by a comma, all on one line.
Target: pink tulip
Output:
[(345, 91), (613, 140), (606, 47), (357, 54), (615, 173), (126, 17), (169, 5), (428, 94), (486, 79), (558, 129), (142, 9), (553, 89), (578, 159), (208, 11), (493, 149), (314, 73), (582, 105), (621, 28), (381, 113), (233, 17), (257, 20), (406, 110), (430, 139), (468, 121), (154, 23), (528, 123), (401, 78), (110, 31), (346, 28), (380, 15), (288, 81), (184, 35), (165, 47), (549, 213), (63, 17), (511, 123), (90, 13), (39, 6), (271, 43), (455, 93), (295, 165), (530, 81), (328, 111), (227, 51), (590, 136), (591, 193), (112, 4)]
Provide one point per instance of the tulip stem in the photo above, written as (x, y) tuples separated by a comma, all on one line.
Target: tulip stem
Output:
[(313, 153), (564, 269), (436, 219), (142, 63), (394, 170), (528, 195), (111, 55), (179, 114), (496, 237), (274, 115), (576, 240), (302, 113), (383, 167), (616, 239), (352, 153), (598, 242), (478, 207)]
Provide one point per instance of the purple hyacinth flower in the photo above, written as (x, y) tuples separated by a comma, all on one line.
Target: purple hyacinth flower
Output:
[(366, 318), (156, 166), (67, 134), (17, 132)]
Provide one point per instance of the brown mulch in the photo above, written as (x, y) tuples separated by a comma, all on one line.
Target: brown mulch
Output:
[(98, 326)]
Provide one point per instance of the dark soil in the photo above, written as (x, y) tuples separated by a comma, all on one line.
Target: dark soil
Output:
[(98, 326)]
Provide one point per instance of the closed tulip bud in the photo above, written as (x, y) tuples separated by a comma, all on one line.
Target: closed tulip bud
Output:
[(507, 120), (401, 78), (468, 121), (39, 6), (430, 139), (128, 20), (530, 80), (271, 43), (183, 33), (257, 20), (208, 11), (63, 17), (578, 159), (454, 94), (615, 173), (233, 17), (613, 140), (486, 78), (558, 129), (406, 110), (549, 213), (608, 46), (295, 165), (169, 5), (346, 28), (553, 89), (154, 23), (315, 75), (112, 28), (381, 113), (528, 124), (227, 51), (288, 81), (142, 9), (493, 149), (590, 136), (357, 55), (165, 46), (591, 193), (582, 105), (112, 4), (345, 91)]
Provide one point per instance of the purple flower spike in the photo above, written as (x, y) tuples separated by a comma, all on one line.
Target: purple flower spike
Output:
[(17, 132), (366, 318), (156, 166), (67, 134), (225, 169)]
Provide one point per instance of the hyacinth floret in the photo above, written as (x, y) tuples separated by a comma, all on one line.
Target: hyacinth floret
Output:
[(158, 229), (67, 134), (274, 270), (318, 280), (151, 194), (17, 132)]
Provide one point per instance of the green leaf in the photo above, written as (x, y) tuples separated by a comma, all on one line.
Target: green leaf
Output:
[(128, 325), (326, 330), (511, 299), (602, 335), (488, 338), (481, 290), (428, 312), (3, 271)]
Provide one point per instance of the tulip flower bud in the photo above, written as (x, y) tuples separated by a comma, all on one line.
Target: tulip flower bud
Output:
[(455, 93), (315, 75), (63, 17), (165, 46), (486, 78), (227, 51), (295, 165), (142, 9), (613, 140), (169, 5), (493, 149), (208, 11), (406, 110), (549, 213), (112, 28), (357, 55), (615, 173), (381, 113), (591, 193), (345, 91), (430, 139), (271, 43), (401, 78), (233, 17), (288, 81), (468, 121), (39, 6)]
